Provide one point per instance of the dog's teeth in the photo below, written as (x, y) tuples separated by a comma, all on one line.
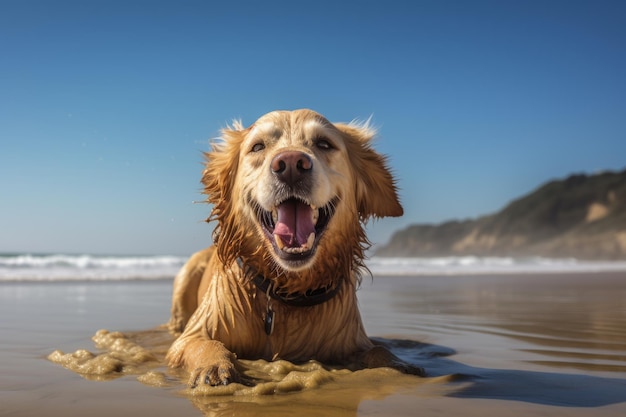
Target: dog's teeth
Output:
[(279, 242), (310, 241), (275, 216), (315, 215)]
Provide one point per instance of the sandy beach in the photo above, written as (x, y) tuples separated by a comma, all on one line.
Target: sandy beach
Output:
[(514, 344)]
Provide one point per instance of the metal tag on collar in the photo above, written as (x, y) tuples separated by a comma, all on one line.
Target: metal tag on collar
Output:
[(269, 321), (269, 314)]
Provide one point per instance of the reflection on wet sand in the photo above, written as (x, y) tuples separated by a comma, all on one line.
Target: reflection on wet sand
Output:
[(573, 320), (283, 388), (557, 341), (313, 386)]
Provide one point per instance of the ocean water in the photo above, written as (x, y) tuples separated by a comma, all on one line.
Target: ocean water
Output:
[(475, 265), (86, 267), (497, 336), (69, 267)]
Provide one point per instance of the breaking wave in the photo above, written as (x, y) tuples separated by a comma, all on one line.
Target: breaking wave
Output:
[(463, 265), (65, 267)]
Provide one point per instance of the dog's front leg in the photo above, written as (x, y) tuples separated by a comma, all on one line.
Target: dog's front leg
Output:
[(381, 357), (208, 362)]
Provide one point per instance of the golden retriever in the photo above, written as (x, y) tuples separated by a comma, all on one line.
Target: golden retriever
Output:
[(290, 196)]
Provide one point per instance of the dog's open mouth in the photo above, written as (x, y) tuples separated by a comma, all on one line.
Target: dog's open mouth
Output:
[(294, 227)]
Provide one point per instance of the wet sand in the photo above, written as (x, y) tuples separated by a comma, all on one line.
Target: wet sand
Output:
[(551, 344)]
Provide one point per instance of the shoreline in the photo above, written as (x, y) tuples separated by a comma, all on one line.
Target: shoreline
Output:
[(528, 344), (70, 268), (365, 276)]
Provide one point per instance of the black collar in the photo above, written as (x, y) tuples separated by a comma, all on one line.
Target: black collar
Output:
[(308, 299)]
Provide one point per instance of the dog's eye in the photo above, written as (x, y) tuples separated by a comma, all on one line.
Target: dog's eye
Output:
[(258, 147), (323, 144)]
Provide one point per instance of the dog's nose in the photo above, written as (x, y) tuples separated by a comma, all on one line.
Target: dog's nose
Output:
[(291, 166)]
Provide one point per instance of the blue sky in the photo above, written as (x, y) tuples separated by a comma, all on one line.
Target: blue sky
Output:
[(106, 106)]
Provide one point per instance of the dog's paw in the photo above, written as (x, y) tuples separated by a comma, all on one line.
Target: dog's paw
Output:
[(407, 368), (380, 357), (218, 374)]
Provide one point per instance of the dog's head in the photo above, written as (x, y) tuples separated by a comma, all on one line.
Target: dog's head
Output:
[(295, 188)]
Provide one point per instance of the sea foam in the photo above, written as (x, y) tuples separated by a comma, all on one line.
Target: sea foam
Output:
[(469, 265), (67, 267)]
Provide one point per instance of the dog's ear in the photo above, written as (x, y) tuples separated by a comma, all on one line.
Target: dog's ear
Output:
[(219, 179), (376, 191), (222, 163)]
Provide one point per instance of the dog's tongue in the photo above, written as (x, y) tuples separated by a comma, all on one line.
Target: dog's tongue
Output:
[(294, 224)]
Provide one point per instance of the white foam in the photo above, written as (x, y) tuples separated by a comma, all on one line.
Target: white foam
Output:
[(62, 267), (462, 265)]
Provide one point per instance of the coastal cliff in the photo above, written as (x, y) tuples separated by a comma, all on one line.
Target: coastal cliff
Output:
[(582, 216)]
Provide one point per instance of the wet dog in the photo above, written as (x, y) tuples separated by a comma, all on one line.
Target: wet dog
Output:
[(290, 195)]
